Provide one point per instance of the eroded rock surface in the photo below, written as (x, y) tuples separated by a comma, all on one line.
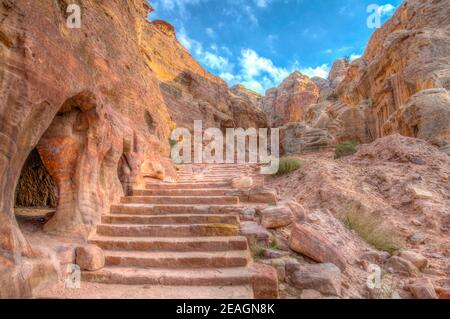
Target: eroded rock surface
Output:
[(82, 96), (287, 102)]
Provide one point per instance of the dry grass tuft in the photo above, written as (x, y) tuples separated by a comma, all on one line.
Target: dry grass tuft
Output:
[(288, 165), (372, 229)]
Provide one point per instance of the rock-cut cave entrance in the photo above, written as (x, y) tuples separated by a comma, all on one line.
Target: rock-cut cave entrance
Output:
[(36, 194)]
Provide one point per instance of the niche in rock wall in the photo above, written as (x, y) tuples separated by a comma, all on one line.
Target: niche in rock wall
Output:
[(36, 187), (36, 194)]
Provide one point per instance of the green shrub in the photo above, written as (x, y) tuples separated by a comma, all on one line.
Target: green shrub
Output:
[(372, 229), (288, 165), (274, 244), (345, 149)]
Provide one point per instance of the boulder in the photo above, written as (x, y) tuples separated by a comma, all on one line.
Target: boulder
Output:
[(310, 294), (307, 241), (90, 257), (276, 217), (415, 258), (242, 182), (398, 265), (324, 278), (375, 257), (263, 195), (255, 233), (297, 209), (423, 289)]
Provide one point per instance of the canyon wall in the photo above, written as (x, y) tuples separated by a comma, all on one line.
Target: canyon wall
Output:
[(190, 92), (96, 105), (287, 102), (400, 85), (82, 98), (404, 74)]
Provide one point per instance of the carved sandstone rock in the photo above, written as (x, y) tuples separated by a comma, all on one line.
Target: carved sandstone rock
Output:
[(407, 55), (287, 102)]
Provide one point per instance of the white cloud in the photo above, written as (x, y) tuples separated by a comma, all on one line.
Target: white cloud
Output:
[(256, 72), (212, 60), (261, 3), (171, 5), (190, 44), (215, 62), (254, 65), (254, 85), (210, 32), (227, 76), (386, 9), (248, 11), (321, 71), (354, 56)]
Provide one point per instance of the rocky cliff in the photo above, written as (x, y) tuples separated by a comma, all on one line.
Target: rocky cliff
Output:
[(287, 102), (190, 92), (400, 85), (405, 74)]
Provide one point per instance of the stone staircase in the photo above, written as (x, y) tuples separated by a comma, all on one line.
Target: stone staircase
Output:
[(184, 234)]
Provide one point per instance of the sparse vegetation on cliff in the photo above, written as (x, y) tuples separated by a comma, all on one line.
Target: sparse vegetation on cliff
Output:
[(372, 229), (288, 165), (345, 149)]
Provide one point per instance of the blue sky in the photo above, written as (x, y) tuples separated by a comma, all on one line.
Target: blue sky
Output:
[(260, 42)]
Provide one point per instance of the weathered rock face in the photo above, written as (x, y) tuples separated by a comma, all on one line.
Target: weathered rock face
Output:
[(342, 122), (338, 72), (425, 116), (298, 137), (287, 103), (246, 107), (409, 54), (190, 92), (87, 100)]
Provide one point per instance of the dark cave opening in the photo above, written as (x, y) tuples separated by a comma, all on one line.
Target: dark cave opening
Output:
[(36, 194)]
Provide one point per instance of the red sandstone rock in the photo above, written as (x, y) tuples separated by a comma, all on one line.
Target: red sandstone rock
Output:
[(405, 58), (90, 257), (287, 103), (325, 278), (276, 217), (263, 195), (306, 241), (264, 281), (423, 289)]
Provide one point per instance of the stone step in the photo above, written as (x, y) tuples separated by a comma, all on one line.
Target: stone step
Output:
[(200, 185), (171, 243), (203, 180), (170, 277), (182, 192), (170, 260), (192, 230), (214, 174), (148, 209), (93, 290), (170, 219), (180, 200)]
